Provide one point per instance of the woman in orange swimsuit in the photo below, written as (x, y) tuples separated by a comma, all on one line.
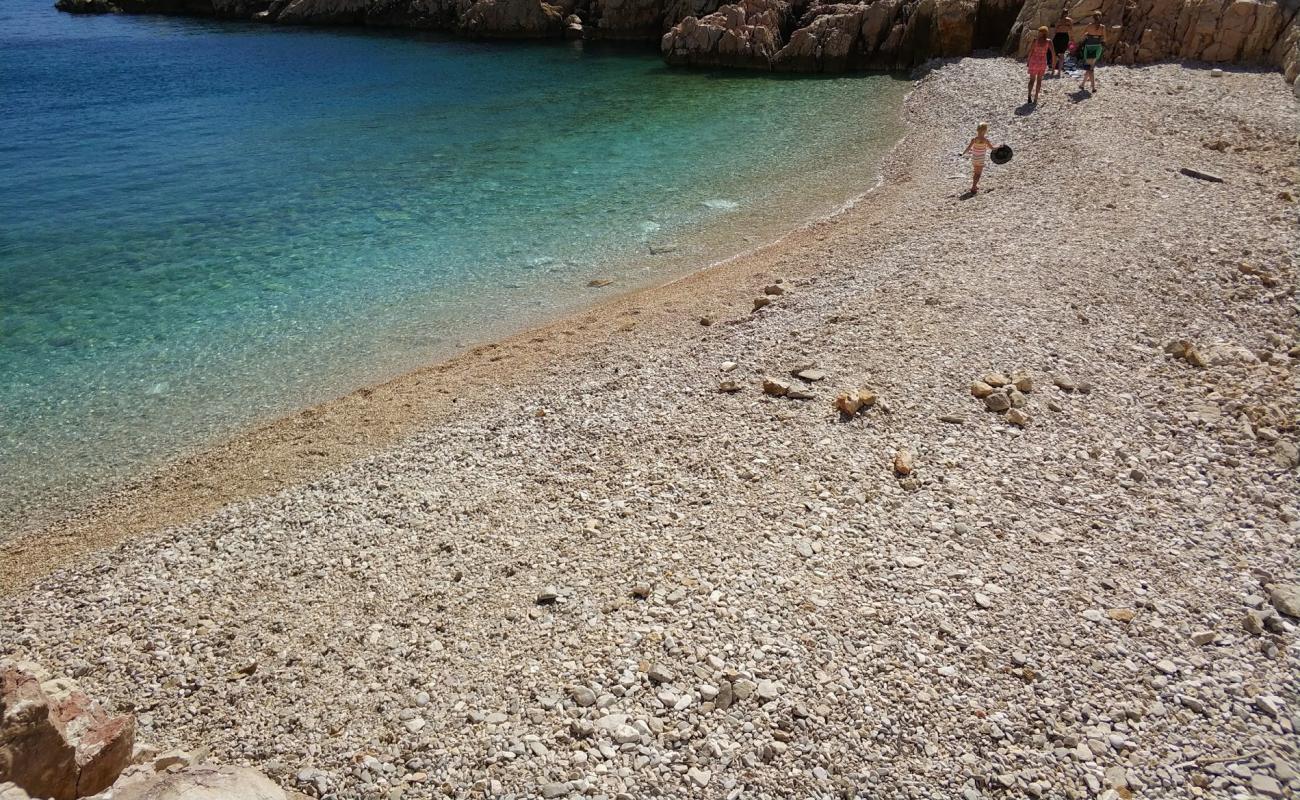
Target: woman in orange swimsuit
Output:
[(1040, 55), (978, 150)]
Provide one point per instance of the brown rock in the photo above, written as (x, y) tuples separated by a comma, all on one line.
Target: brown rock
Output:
[(762, 302), (903, 462), (997, 402), (848, 403), (54, 741), (1121, 614), (775, 388), (203, 782), (980, 389), (774, 289), (1018, 418), (996, 379)]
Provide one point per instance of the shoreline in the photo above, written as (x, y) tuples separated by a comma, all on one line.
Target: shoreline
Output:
[(306, 445), (1053, 559)]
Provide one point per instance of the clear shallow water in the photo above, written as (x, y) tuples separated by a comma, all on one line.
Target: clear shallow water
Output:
[(205, 225)]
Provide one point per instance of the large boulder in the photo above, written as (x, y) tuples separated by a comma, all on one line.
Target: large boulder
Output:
[(202, 782), (55, 742)]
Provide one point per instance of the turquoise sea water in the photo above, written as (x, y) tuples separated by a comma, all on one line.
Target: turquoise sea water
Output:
[(205, 225)]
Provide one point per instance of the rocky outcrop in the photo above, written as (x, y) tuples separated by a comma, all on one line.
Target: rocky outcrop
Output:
[(746, 34), (834, 37), (1264, 32), (805, 35), (54, 741), (201, 782), (523, 19)]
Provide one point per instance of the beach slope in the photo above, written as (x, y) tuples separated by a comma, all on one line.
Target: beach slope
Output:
[(598, 573)]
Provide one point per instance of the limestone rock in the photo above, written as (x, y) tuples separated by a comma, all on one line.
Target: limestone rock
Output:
[(55, 741), (1146, 31), (775, 388), (745, 34), (904, 462), (203, 782), (1285, 597), (523, 19)]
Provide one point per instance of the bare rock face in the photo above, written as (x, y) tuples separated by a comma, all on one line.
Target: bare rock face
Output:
[(202, 782), (1263, 32), (836, 37), (521, 19), (745, 34), (629, 19), (55, 741)]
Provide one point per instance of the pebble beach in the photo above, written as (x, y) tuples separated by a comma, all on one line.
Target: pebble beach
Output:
[(642, 552)]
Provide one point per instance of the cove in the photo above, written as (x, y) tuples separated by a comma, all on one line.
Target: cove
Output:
[(206, 225)]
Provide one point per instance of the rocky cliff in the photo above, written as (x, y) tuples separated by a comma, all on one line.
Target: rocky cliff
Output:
[(806, 35), (1145, 31), (896, 34)]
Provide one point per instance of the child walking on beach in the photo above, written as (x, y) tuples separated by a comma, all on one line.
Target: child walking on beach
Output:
[(1040, 55), (978, 149)]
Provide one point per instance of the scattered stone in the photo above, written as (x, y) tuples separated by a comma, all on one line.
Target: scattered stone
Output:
[(799, 393), (774, 290), (903, 462), (1121, 614), (728, 387), (583, 696), (599, 283), (1285, 597), (852, 403), (1018, 417), (953, 419), (810, 375), (998, 402), (1200, 175), (547, 596), (911, 562), (1266, 785), (980, 389), (1202, 638), (775, 388), (1022, 382), (996, 379), (660, 674), (762, 302), (700, 777), (1166, 666), (728, 366), (1116, 777)]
